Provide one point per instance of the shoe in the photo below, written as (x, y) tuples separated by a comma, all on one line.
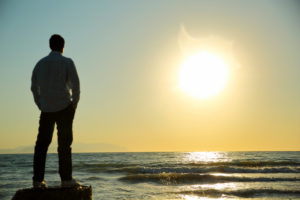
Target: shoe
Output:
[(38, 184), (70, 183)]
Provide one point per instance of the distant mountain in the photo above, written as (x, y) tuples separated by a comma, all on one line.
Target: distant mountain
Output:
[(20, 149), (76, 147)]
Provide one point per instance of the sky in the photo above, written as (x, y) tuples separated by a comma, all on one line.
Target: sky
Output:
[(128, 55)]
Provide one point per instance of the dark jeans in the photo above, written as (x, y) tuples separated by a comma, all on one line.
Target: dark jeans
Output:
[(64, 122)]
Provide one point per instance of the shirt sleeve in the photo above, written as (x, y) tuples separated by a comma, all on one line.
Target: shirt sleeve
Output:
[(35, 88), (74, 83)]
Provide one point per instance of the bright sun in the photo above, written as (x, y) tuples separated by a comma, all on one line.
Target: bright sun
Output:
[(203, 75)]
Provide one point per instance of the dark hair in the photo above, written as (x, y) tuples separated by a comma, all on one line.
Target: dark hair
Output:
[(57, 42)]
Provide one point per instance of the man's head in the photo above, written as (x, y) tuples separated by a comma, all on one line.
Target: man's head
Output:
[(57, 43)]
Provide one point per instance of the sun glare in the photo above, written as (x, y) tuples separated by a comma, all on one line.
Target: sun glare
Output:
[(203, 75)]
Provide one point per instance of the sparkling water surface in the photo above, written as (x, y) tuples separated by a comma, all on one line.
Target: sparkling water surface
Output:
[(167, 175)]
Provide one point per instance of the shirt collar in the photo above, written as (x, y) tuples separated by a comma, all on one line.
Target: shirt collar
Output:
[(55, 53)]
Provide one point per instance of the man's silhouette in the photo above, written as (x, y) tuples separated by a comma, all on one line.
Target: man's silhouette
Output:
[(55, 88)]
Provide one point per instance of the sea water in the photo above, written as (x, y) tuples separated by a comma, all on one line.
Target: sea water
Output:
[(167, 175)]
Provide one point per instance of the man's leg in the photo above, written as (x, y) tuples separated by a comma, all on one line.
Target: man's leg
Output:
[(65, 137), (44, 138)]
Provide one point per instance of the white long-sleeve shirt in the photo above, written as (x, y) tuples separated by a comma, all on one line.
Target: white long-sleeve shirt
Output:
[(55, 83)]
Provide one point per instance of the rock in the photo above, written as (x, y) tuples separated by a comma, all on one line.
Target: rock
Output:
[(55, 193)]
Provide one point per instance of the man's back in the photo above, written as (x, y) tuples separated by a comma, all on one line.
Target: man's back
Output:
[(52, 79)]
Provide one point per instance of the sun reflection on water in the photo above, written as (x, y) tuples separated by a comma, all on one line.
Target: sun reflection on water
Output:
[(206, 157), (207, 191), (192, 197)]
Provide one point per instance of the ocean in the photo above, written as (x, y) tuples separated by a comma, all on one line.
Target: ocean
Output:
[(167, 175)]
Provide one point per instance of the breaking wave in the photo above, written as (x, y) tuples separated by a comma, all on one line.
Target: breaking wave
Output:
[(181, 178), (219, 167)]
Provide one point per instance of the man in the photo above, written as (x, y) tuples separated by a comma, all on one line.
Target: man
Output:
[(55, 88)]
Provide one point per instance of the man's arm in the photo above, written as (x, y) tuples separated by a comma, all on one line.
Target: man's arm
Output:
[(74, 84), (35, 89)]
